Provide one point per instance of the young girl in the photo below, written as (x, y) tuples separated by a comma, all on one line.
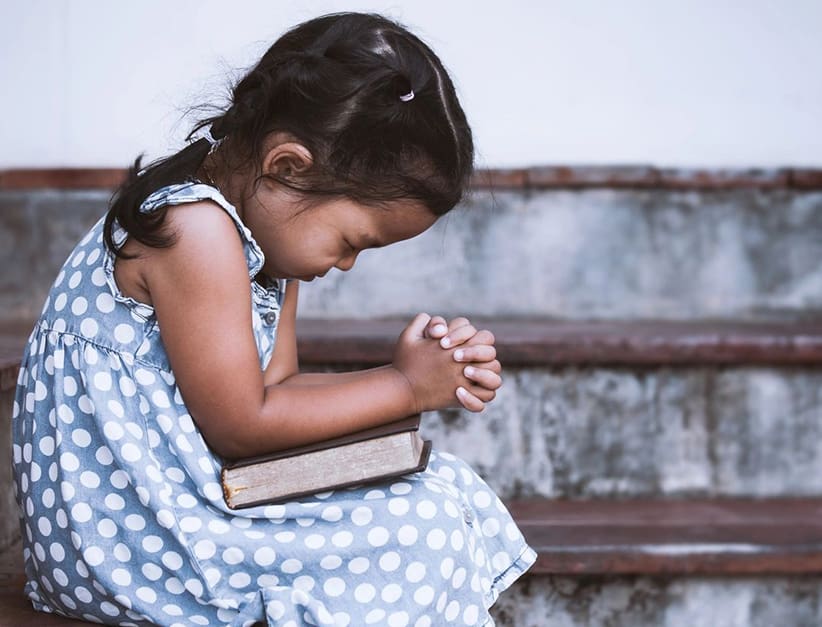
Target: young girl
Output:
[(167, 344)]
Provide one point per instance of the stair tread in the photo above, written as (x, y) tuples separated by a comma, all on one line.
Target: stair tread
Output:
[(533, 342)]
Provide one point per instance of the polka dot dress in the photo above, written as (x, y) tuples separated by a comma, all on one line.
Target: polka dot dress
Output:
[(123, 516)]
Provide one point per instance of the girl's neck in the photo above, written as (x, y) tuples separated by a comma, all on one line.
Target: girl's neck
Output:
[(215, 172)]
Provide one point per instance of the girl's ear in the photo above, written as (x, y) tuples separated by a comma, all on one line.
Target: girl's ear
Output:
[(287, 159)]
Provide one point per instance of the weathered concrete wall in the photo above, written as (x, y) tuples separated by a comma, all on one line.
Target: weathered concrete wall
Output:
[(661, 602), (587, 433), (37, 232), (9, 524), (597, 254), (594, 253)]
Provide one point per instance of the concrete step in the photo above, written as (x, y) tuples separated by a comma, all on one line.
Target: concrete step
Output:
[(588, 253), (645, 537)]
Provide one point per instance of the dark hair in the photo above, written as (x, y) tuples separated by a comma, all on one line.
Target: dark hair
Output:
[(334, 83)]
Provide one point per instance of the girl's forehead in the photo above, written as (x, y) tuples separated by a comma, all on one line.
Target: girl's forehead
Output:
[(401, 218)]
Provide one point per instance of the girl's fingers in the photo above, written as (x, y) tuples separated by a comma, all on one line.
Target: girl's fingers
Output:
[(483, 337), (480, 353), (485, 378), (469, 400), (437, 328), (458, 322), (458, 336)]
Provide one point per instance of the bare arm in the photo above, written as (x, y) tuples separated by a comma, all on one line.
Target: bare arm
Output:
[(202, 295)]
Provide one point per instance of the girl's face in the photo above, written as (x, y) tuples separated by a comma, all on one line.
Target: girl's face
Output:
[(305, 244)]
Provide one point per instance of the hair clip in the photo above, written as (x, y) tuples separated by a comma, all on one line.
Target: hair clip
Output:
[(215, 143), (408, 96)]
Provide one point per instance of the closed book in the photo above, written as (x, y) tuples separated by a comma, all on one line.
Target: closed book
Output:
[(374, 454)]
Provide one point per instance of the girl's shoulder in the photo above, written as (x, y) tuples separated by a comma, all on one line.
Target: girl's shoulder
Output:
[(193, 190)]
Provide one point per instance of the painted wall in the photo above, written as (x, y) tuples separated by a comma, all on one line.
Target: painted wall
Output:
[(736, 83)]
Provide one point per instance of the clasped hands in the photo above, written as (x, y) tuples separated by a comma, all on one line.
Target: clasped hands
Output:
[(448, 364)]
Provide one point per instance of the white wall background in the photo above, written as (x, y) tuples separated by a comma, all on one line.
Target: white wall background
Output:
[(712, 83)]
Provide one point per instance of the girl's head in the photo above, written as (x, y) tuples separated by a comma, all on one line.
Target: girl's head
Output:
[(371, 104)]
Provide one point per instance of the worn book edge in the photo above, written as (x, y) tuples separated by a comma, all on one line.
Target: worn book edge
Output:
[(234, 497), (411, 423)]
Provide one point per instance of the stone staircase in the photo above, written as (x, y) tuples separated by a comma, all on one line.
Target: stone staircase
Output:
[(658, 431)]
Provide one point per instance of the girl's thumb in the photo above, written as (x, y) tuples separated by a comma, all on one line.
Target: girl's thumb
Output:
[(416, 329)]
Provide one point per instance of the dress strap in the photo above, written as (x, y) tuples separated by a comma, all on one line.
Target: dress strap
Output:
[(195, 190)]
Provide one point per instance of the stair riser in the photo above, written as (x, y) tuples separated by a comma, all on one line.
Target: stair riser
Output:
[(598, 432), (597, 253)]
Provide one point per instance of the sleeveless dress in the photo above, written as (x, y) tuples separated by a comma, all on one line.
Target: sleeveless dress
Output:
[(122, 512)]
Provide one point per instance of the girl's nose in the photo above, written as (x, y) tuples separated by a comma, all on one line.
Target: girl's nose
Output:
[(346, 263)]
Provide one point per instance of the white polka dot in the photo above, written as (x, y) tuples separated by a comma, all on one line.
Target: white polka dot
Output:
[(58, 553), (102, 381), (459, 577), (173, 610), (79, 306), (119, 479), (424, 595), (165, 518), (361, 516), (117, 409), (358, 565), (135, 522), (127, 386), (48, 497), (124, 333), (365, 593), (441, 601), (121, 577), (144, 377), (78, 258), (190, 524), (69, 461), (398, 506), (69, 386), (334, 586), (40, 391), (131, 452), (378, 536), (482, 499), (304, 583), (146, 595), (415, 572), (172, 560), (233, 555), (374, 616), (391, 593), (407, 535), (90, 479), (44, 526), (60, 301), (332, 513), (331, 562), (239, 580), (75, 279), (105, 303), (400, 488), (94, 556), (85, 405), (98, 277), (264, 556), (113, 431), (152, 543), (342, 539), (426, 509), (47, 445), (89, 327), (160, 399), (114, 502), (490, 527), (390, 561), (291, 566), (81, 437), (205, 549), (66, 490), (501, 560)]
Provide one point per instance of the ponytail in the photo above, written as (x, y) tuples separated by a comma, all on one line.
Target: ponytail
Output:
[(139, 184), (372, 103)]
